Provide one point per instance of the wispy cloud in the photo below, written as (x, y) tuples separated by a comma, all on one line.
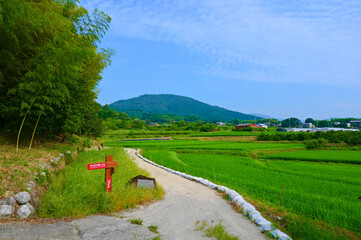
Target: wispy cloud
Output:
[(272, 40)]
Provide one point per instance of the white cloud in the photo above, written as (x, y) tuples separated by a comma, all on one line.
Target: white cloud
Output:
[(278, 41)]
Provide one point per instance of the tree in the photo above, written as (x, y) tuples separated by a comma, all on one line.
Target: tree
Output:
[(291, 122), (271, 121), (324, 123), (310, 120)]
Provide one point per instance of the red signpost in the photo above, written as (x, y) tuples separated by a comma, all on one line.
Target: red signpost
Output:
[(109, 166)]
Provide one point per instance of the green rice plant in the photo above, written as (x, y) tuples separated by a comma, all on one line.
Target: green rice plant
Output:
[(337, 156), (225, 134), (179, 145), (327, 192)]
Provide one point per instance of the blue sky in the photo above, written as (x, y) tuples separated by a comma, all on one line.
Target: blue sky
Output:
[(279, 58)]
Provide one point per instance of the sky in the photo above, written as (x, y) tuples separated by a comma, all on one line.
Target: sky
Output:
[(278, 58)]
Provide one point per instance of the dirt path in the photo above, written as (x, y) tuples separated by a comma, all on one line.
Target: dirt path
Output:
[(185, 203)]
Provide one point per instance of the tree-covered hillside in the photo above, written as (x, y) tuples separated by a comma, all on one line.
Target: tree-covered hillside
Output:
[(178, 105)]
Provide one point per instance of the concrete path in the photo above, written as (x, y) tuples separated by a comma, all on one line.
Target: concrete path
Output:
[(185, 203), (92, 227)]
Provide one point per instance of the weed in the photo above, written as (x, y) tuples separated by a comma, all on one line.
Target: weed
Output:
[(217, 231), (137, 221), (87, 142), (153, 229), (68, 158), (201, 225)]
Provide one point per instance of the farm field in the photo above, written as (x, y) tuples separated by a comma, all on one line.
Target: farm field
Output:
[(325, 191), (319, 187), (126, 134), (341, 156), (206, 145), (225, 133)]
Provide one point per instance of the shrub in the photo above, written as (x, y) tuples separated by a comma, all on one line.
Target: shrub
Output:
[(315, 143)]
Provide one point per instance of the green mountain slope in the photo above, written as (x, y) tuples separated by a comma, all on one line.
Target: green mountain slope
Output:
[(178, 105)]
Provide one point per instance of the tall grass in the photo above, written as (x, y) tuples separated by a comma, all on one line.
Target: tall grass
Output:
[(78, 192)]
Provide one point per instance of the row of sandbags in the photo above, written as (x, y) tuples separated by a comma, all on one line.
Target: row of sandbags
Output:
[(247, 208)]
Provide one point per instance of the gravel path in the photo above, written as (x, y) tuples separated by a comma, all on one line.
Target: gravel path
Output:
[(185, 203)]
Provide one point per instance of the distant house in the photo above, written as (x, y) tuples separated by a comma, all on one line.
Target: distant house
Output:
[(356, 123), (221, 123), (244, 125), (307, 125), (262, 125), (153, 124)]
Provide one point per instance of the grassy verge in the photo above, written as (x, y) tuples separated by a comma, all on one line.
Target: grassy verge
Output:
[(77, 192)]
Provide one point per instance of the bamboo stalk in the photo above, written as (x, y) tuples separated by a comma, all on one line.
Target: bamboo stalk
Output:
[(36, 125), (22, 123)]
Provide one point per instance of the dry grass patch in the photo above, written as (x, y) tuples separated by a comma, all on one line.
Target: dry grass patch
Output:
[(18, 168)]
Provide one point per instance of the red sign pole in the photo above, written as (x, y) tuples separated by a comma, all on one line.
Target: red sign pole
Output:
[(108, 174), (109, 166)]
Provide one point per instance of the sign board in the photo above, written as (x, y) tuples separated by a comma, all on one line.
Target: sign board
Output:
[(109, 166)]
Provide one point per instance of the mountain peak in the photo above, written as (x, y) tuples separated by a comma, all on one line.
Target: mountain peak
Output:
[(178, 105)]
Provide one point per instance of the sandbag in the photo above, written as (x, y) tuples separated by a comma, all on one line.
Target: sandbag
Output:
[(280, 235), (247, 208)]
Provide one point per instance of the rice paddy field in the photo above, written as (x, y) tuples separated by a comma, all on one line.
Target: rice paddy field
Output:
[(352, 157), (321, 187)]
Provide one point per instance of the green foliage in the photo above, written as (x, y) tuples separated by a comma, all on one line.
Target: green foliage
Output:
[(137, 221), (49, 57), (315, 143), (153, 229), (349, 137), (323, 123), (114, 120), (208, 127), (310, 120), (271, 121), (178, 105), (291, 122)]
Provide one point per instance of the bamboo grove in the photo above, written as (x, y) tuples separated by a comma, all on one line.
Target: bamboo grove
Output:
[(50, 66)]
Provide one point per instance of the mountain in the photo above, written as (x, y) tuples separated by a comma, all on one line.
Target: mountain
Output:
[(261, 115), (178, 105)]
